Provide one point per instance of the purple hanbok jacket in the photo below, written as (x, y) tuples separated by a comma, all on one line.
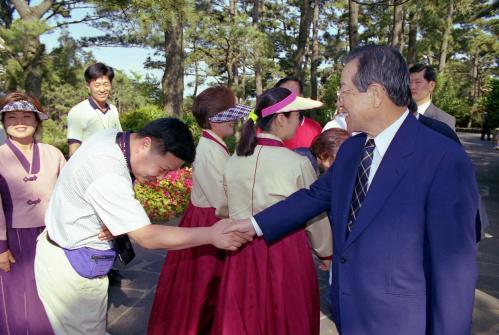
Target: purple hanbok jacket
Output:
[(25, 187)]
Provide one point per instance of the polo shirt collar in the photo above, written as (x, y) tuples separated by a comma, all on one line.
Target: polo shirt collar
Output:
[(94, 105)]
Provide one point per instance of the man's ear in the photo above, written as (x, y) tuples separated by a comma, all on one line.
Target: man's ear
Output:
[(145, 142), (377, 94), (431, 86)]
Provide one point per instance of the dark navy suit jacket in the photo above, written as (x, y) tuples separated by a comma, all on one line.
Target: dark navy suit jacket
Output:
[(439, 127), (409, 264), (481, 221)]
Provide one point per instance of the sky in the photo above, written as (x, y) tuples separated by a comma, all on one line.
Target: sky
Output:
[(126, 59)]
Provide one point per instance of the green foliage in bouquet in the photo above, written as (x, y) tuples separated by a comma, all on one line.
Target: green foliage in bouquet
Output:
[(167, 197)]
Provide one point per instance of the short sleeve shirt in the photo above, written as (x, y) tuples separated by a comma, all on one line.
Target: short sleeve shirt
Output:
[(85, 119), (94, 190)]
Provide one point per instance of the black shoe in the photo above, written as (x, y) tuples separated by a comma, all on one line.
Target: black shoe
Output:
[(114, 277)]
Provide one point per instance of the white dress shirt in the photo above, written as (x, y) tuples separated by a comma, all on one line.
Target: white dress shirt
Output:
[(423, 107), (382, 142)]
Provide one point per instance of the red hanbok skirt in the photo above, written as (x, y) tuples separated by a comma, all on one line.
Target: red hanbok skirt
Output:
[(188, 286), (269, 290)]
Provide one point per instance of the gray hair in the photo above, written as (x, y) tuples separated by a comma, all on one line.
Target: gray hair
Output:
[(383, 65)]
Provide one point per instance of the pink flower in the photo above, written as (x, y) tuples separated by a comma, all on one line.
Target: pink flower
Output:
[(167, 196)]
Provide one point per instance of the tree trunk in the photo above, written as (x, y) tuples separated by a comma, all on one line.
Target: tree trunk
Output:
[(398, 20), (413, 35), (32, 64), (233, 68), (173, 78), (233, 7), (302, 39), (34, 51), (403, 39), (196, 78), (474, 75), (315, 51), (353, 24), (243, 81), (446, 37), (257, 63)]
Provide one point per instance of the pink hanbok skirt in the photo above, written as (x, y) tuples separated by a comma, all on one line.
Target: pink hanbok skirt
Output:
[(187, 290), (269, 290)]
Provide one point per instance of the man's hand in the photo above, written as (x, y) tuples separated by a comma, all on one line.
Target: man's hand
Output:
[(242, 226), (223, 239), (105, 235), (6, 259), (325, 264)]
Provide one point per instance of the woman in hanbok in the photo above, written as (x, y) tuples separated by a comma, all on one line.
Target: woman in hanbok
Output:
[(28, 173), (188, 286), (271, 289)]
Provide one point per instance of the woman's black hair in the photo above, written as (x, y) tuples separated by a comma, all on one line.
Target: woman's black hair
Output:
[(247, 143)]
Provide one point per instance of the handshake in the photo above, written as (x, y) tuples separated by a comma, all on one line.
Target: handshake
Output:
[(231, 234)]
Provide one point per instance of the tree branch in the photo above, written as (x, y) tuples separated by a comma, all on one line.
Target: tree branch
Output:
[(85, 19), (381, 2), (486, 11), (42, 8), (5, 49), (55, 11), (22, 8), (204, 51)]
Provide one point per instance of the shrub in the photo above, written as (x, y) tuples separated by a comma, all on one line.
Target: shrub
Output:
[(166, 197), (55, 134), (137, 119), (190, 121)]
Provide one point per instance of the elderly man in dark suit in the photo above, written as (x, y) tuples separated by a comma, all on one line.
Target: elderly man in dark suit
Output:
[(404, 259), (423, 80)]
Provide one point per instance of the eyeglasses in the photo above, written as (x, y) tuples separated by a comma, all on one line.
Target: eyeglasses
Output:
[(339, 94)]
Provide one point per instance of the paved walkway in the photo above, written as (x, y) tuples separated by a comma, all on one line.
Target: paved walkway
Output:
[(130, 304)]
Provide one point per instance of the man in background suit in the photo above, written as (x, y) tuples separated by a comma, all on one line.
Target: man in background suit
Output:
[(434, 124), (423, 80), (404, 259), (482, 220)]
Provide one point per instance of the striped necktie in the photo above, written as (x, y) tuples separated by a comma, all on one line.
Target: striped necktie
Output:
[(361, 183)]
